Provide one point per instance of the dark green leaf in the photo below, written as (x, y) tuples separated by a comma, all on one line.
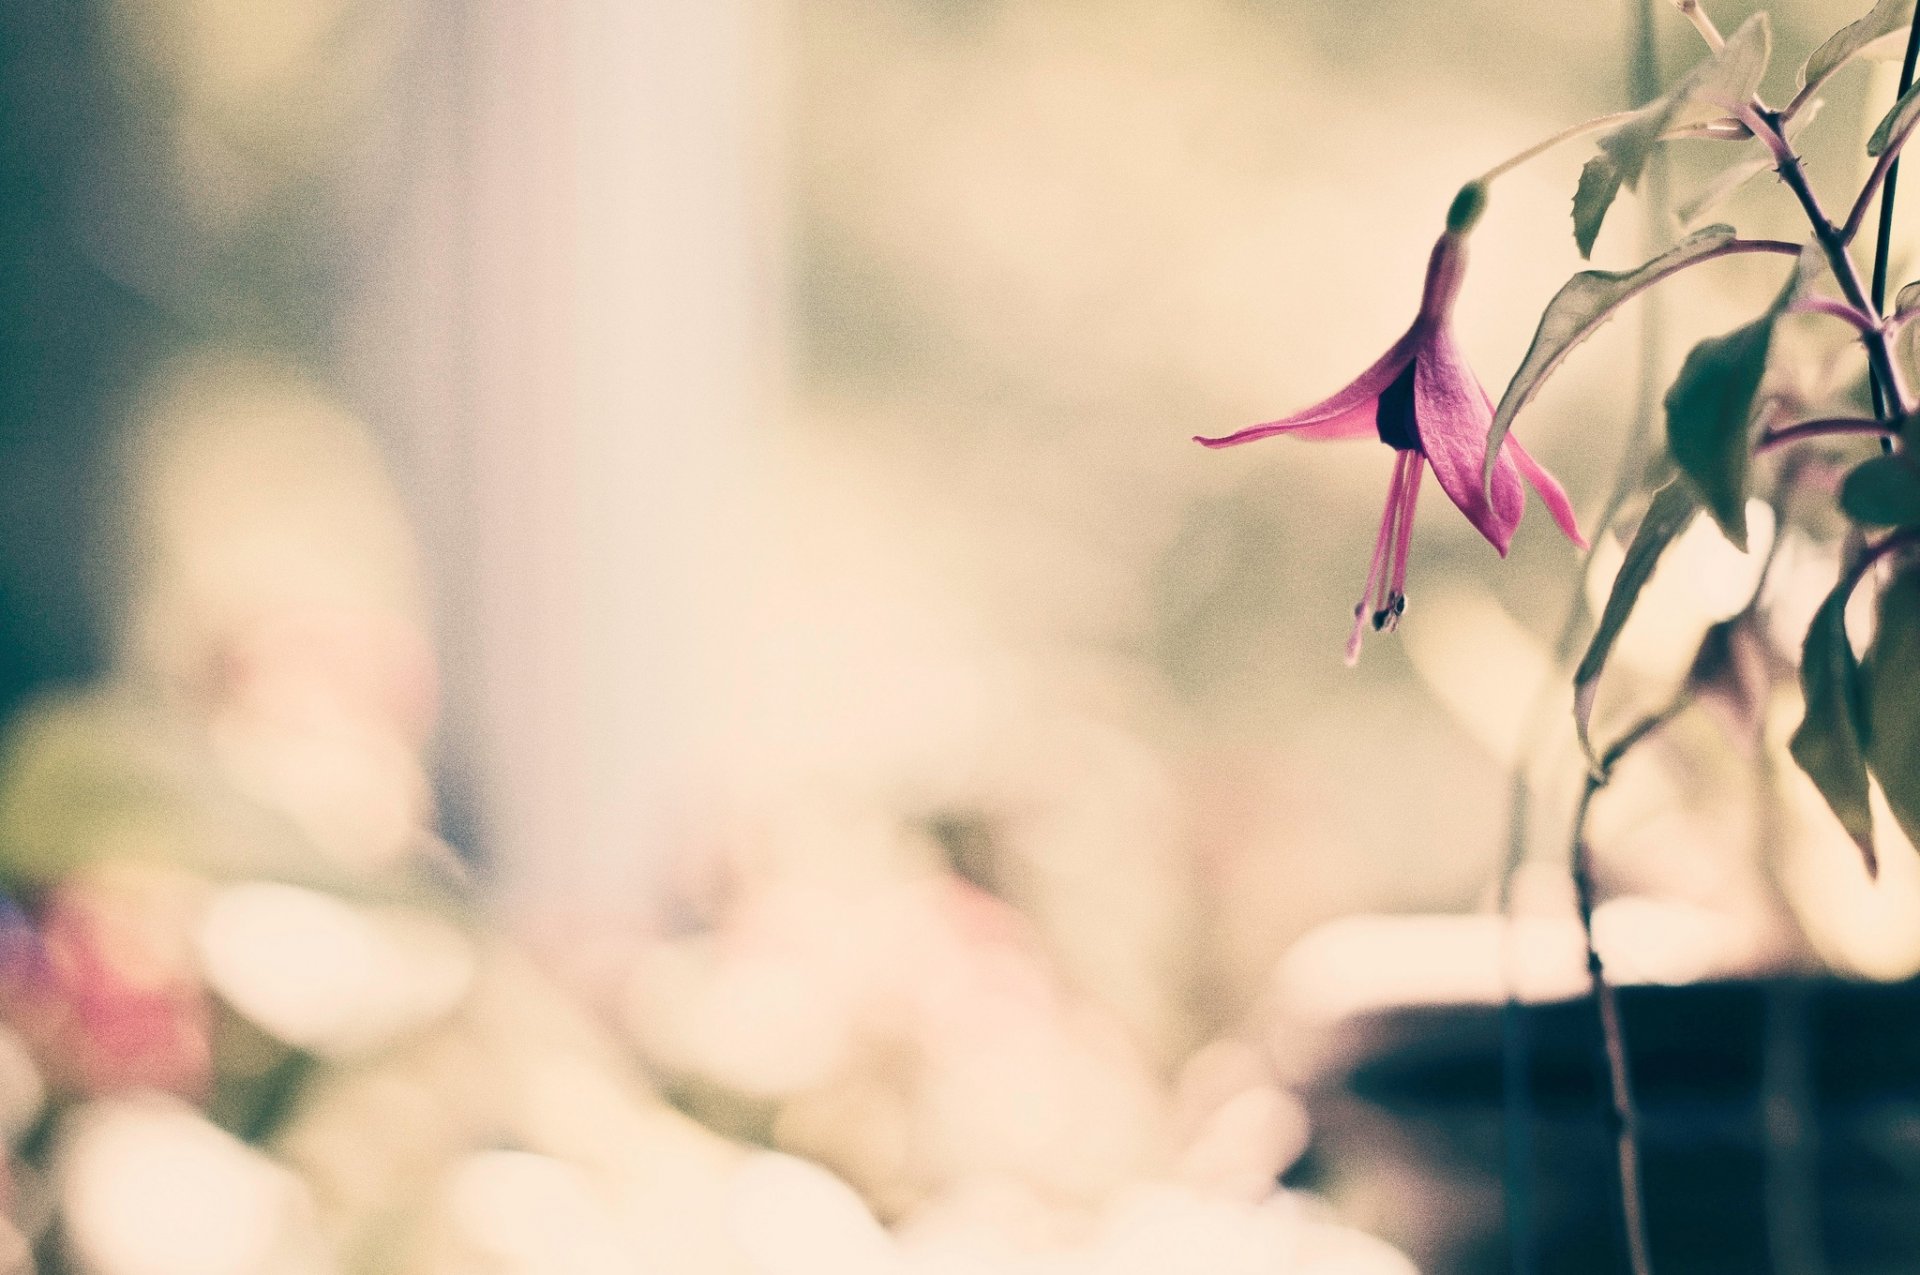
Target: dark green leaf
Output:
[(1599, 183), (1577, 311), (1893, 700), (1672, 510), (1896, 123), (1883, 492), (1886, 18), (1829, 744), (1708, 411)]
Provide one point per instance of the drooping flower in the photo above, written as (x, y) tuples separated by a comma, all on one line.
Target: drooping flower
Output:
[(1421, 399)]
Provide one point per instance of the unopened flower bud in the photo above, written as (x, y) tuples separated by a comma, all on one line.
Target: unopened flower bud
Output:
[(1467, 206)]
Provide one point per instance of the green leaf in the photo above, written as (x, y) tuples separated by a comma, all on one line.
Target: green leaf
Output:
[(1883, 492), (1896, 123), (1723, 82), (1577, 311), (1829, 744), (1628, 147), (1883, 20), (1673, 508), (1708, 411), (1893, 700), (1599, 183)]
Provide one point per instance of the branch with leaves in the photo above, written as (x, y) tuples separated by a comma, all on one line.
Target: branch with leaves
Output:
[(1727, 421)]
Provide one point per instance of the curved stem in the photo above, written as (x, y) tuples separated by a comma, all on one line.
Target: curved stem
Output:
[(1860, 321), (1885, 170), (1779, 246), (1594, 125), (1830, 427)]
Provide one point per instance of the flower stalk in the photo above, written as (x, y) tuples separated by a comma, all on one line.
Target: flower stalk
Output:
[(1828, 427)]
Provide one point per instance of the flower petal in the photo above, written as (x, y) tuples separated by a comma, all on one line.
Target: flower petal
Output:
[(1552, 495), (1453, 415), (1349, 413)]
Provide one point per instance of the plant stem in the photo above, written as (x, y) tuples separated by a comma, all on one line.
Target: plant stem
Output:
[(1891, 167), (1766, 126), (1643, 86), (1702, 23), (1626, 1116), (1892, 182), (1859, 320), (1594, 125), (1829, 427), (1626, 1131)]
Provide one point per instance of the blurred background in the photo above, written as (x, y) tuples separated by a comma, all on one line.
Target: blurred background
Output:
[(616, 658)]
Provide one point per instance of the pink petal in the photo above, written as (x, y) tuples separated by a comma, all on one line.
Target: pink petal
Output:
[(1453, 415), (1552, 495), (1349, 413)]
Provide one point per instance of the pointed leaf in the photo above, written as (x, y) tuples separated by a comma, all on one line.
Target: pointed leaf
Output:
[(1629, 146), (1893, 700), (1708, 411), (1577, 311), (1723, 82), (1599, 183), (1883, 492), (1883, 20), (1896, 123), (1670, 513), (1829, 744)]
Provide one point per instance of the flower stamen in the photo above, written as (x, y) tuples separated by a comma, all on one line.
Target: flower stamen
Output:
[(1409, 501), (1377, 568)]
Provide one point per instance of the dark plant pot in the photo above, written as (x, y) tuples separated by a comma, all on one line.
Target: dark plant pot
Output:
[(1780, 1130)]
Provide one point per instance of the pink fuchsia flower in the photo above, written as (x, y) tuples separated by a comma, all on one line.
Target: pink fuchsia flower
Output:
[(1421, 399)]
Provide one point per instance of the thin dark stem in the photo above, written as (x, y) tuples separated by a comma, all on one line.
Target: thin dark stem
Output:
[(1892, 183), (1887, 191), (1626, 1130), (1766, 126), (1830, 427), (1626, 1118), (1643, 85)]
